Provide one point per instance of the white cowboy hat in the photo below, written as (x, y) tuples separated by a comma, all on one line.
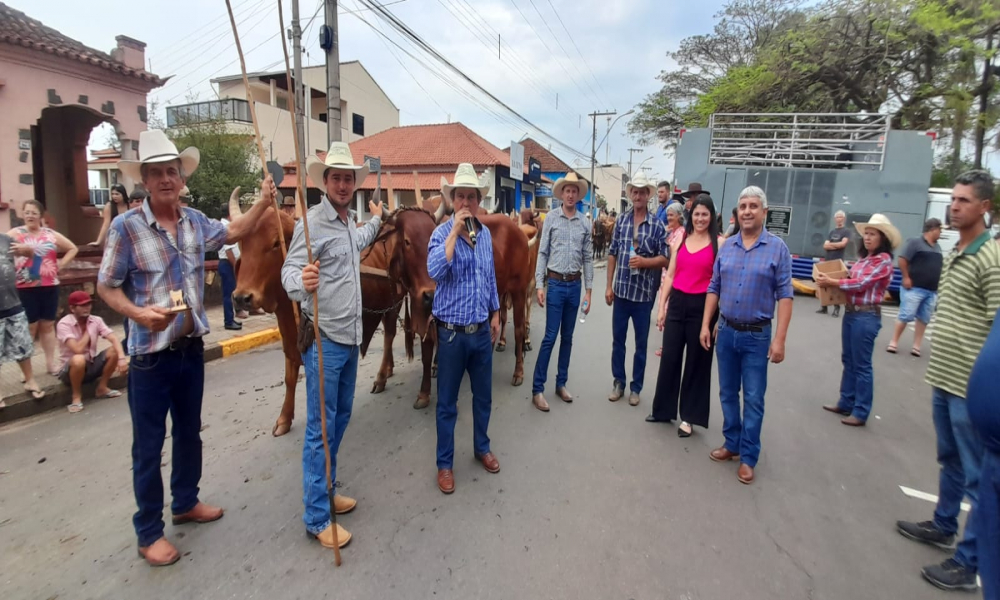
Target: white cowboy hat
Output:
[(465, 177), (339, 157), (881, 222), (156, 147), (569, 179), (640, 181)]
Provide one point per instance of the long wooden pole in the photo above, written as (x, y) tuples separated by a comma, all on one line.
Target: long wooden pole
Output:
[(301, 180), (256, 126)]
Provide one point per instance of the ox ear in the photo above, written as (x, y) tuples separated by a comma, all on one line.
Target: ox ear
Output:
[(234, 205)]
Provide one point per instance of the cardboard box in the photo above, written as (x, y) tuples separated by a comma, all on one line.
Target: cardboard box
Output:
[(836, 269)]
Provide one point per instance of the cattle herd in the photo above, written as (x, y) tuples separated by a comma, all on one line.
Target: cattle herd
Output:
[(394, 280), (603, 228)]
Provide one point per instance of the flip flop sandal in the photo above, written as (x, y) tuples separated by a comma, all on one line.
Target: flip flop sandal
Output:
[(914, 352), (891, 349), (110, 394), (36, 393), (75, 407)]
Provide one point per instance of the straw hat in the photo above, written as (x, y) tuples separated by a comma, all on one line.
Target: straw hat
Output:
[(465, 177), (569, 179), (156, 147), (881, 222), (640, 181), (339, 157)]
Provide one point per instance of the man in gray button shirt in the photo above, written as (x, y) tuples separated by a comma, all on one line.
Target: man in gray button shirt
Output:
[(565, 254), (336, 277)]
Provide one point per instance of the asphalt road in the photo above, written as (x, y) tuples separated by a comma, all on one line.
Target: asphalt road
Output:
[(591, 501)]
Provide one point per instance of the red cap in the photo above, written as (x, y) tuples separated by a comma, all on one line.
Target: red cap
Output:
[(79, 298)]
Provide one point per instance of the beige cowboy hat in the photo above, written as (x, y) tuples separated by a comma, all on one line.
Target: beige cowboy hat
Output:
[(465, 177), (640, 181), (569, 179), (881, 222), (339, 157), (156, 147)]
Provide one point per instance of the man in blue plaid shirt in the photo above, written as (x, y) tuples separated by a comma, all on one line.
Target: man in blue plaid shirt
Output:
[(637, 253)]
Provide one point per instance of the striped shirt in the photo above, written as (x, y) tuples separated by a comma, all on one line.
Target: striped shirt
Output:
[(651, 242), (566, 247), (467, 286), (868, 280), (147, 262), (337, 245), (748, 281), (968, 300)]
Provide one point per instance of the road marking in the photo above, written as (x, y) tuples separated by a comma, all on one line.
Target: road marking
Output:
[(912, 493)]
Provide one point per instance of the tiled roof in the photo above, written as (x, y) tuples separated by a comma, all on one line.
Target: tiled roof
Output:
[(430, 145), (21, 30)]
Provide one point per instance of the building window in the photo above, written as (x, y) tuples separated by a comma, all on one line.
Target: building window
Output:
[(322, 117), (282, 102), (358, 125)]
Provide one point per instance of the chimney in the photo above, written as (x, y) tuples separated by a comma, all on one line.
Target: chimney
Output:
[(130, 52)]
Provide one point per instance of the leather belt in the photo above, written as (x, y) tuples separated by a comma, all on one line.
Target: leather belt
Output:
[(564, 276), (467, 329), (756, 327), (871, 308), (183, 344)]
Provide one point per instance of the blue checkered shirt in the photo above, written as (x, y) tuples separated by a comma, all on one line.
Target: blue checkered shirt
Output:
[(147, 262), (651, 242), (467, 286), (566, 247), (748, 282)]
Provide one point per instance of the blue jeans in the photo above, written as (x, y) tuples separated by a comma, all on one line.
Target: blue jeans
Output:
[(742, 363), (459, 353), (228, 287), (988, 526), (960, 454), (167, 381), (916, 303), (561, 303), (857, 383), (340, 372), (639, 312)]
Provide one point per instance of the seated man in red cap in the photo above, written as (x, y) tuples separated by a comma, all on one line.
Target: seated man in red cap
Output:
[(78, 333)]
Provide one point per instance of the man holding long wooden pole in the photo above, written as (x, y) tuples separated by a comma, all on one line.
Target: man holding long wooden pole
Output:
[(336, 278)]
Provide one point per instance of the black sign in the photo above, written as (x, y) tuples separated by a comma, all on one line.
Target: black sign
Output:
[(534, 168), (778, 220), (374, 164), (276, 172)]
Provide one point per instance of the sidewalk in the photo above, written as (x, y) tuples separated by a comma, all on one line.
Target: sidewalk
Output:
[(257, 330)]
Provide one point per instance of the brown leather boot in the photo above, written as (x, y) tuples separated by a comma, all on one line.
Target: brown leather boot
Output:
[(745, 474), (446, 481), (343, 505), (722, 454), (201, 513), (160, 553), (325, 537), (540, 403), (564, 394)]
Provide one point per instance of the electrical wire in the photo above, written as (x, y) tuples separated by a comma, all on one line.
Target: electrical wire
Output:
[(572, 39), (563, 48), (219, 33)]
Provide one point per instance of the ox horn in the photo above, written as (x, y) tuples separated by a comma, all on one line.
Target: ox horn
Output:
[(533, 241), (439, 213), (235, 211)]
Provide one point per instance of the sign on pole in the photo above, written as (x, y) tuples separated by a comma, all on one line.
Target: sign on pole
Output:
[(374, 163), (516, 161), (778, 220)]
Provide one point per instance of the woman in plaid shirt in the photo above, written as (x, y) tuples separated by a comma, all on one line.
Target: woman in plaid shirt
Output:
[(865, 287)]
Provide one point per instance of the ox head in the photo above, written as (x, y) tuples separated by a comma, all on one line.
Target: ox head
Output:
[(258, 276), (408, 261)]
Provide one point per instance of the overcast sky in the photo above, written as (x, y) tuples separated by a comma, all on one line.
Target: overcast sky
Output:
[(623, 45)]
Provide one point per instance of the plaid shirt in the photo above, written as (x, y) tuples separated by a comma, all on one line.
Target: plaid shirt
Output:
[(467, 286), (147, 262), (748, 282), (868, 280), (566, 247), (651, 242)]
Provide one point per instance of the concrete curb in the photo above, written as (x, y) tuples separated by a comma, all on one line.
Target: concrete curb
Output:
[(58, 396)]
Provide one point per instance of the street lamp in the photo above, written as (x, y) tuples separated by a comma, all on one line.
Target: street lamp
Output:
[(593, 155), (639, 168)]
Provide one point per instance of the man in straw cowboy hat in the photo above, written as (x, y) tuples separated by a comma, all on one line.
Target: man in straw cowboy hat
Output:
[(335, 276), (752, 270), (968, 300), (153, 254), (565, 255), (466, 308), (288, 204), (637, 252)]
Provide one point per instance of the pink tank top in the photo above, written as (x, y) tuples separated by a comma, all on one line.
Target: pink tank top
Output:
[(694, 271)]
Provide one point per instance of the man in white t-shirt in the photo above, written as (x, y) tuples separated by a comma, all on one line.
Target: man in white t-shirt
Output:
[(228, 255)]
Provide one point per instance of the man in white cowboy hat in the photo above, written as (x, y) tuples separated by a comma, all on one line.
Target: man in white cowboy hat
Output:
[(565, 255), (335, 276), (153, 252), (466, 308), (637, 252)]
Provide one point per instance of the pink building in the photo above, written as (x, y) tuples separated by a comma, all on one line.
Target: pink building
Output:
[(53, 92)]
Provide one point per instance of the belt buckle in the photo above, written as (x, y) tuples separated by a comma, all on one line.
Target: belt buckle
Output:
[(470, 329)]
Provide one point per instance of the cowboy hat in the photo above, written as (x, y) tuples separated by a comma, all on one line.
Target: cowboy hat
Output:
[(569, 179), (694, 189), (640, 181), (881, 222), (156, 147), (289, 200), (465, 177), (339, 157)]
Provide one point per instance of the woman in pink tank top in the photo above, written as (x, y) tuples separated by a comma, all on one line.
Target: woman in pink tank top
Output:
[(685, 384)]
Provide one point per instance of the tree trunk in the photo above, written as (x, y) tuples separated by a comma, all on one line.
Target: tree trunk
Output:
[(984, 96)]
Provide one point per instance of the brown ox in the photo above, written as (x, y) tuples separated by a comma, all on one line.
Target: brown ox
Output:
[(258, 285), (531, 225)]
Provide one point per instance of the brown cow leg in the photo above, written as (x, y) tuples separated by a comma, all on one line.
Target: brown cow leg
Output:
[(502, 340), (427, 358), (528, 300), (518, 339), (284, 422), (385, 371)]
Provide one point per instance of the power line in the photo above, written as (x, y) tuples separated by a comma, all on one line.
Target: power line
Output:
[(218, 32), (210, 23), (572, 39)]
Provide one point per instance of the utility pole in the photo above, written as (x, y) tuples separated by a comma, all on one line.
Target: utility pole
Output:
[(632, 151), (296, 88), (593, 157), (332, 73)]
